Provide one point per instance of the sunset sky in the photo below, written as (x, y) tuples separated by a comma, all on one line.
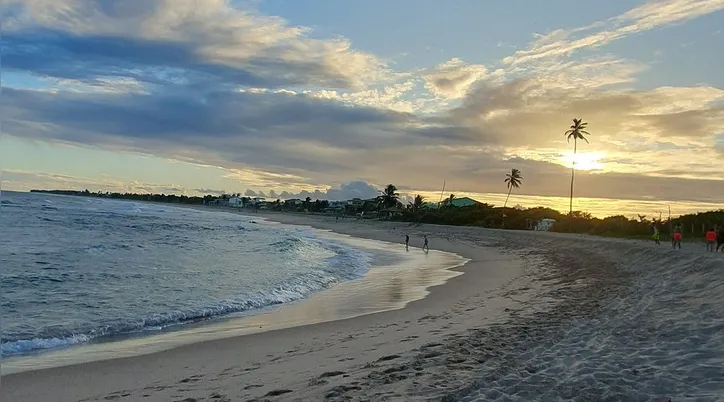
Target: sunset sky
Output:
[(283, 97)]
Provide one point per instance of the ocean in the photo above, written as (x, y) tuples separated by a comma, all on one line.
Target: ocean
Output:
[(77, 270)]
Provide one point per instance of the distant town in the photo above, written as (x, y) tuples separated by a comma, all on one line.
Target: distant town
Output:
[(384, 204), (450, 210)]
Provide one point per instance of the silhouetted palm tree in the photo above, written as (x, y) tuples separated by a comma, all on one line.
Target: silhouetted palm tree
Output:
[(417, 202), (308, 203), (513, 180), (390, 196), (449, 201), (577, 131)]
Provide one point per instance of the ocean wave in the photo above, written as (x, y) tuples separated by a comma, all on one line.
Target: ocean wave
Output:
[(24, 346), (346, 264), (108, 270)]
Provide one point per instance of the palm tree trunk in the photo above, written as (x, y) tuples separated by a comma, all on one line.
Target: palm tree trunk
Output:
[(506, 198), (573, 174)]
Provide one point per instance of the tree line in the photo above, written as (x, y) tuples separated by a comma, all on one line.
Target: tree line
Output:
[(482, 214), (169, 198)]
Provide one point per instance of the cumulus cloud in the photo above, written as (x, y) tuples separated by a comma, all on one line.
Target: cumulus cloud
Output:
[(354, 189), (452, 79), (204, 82), (345, 191), (300, 141), (188, 42)]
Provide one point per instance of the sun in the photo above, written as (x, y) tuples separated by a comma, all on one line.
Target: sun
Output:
[(584, 160)]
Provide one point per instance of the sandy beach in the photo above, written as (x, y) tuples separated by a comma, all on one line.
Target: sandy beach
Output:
[(534, 316)]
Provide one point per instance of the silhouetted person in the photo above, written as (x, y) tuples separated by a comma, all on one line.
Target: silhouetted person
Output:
[(656, 236), (425, 246), (407, 242)]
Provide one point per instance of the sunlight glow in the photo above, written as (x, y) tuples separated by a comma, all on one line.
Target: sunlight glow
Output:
[(584, 160)]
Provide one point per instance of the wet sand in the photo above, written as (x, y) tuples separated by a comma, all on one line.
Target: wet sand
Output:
[(535, 316), (295, 356)]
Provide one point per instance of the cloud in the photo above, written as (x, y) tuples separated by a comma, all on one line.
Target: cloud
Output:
[(354, 189), (299, 142), (650, 15), (196, 43), (345, 191), (526, 113), (209, 191), (288, 115), (452, 79)]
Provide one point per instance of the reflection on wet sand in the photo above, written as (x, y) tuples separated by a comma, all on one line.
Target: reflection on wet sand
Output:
[(389, 285)]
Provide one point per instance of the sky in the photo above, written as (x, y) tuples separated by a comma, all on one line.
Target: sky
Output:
[(335, 100)]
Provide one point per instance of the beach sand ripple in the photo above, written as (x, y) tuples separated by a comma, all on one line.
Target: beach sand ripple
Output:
[(617, 321)]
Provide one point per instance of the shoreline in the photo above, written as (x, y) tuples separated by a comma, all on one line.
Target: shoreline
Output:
[(24, 385), (536, 315), (347, 297)]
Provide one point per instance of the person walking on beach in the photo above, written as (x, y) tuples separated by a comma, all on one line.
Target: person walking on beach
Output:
[(425, 246), (656, 236), (710, 240), (676, 240), (407, 242)]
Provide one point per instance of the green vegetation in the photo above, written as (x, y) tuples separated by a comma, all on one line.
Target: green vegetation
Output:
[(481, 215), (485, 215), (390, 197), (388, 206), (170, 198)]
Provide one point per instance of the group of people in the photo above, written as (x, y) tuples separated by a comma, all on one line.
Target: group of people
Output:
[(714, 240), (425, 245)]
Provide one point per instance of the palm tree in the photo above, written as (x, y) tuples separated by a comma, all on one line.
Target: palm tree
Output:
[(449, 201), (417, 202), (513, 180), (308, 203), (390, 196), (577, 131)]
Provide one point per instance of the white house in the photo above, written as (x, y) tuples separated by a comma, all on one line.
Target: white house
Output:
[(235, 202), (545, 224)]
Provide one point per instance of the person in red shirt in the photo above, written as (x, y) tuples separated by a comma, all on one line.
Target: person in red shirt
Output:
[(676, 238), (710, 240)]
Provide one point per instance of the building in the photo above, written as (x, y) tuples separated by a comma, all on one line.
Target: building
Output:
[(545, 224), (236, 202), (456, 202), (389, 213)]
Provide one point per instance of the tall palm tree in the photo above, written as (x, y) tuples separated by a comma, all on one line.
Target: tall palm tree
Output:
[(577, 131), (512, 180), (390, 196)]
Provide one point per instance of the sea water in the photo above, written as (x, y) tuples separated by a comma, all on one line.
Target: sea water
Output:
[(75, 269)]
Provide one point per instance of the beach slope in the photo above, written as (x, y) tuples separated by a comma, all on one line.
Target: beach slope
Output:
[(535, 315)]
